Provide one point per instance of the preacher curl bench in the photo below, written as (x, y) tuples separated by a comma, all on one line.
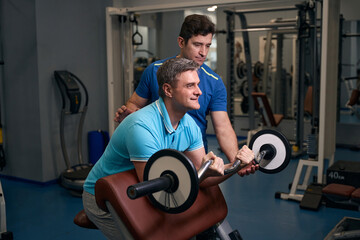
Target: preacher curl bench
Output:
[(139, 219), (178, 207)]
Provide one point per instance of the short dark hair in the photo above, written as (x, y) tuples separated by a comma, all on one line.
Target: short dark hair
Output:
[(196, 24), (171, 69)]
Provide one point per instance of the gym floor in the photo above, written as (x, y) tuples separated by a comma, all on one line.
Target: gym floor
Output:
[(46, 211)]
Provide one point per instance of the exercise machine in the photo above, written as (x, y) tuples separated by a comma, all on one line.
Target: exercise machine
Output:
[(173, 194), (73, 177), (347, 228), (4, 233)]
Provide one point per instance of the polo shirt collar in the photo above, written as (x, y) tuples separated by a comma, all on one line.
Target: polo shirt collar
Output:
[(165, 115)]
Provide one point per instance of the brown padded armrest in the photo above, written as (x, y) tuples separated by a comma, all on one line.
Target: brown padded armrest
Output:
[(146, 222)]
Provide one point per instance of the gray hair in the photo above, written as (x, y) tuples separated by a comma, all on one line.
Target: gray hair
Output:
[(171, 69)]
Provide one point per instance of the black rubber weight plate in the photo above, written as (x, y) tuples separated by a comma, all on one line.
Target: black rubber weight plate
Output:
[(178, 163), (278, 140)]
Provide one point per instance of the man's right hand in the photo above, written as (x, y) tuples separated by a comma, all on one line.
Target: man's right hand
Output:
[(122, 113), (216, 168)]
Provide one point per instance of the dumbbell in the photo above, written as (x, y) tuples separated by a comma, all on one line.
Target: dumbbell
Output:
[(172, 183)]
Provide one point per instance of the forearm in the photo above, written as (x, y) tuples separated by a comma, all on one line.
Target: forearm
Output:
[(136, 102), (225, 134), (228, 142)]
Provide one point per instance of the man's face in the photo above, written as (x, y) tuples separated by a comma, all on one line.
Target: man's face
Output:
[(186, 93), (196, 48)]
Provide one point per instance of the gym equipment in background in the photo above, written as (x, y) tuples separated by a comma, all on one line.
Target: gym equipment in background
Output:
[(73, 177), (347, 228), (172, 183), (4, 233)]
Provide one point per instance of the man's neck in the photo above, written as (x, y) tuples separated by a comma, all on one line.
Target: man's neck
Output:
[(174, 114)]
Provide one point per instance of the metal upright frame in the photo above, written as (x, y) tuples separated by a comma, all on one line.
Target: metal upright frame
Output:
[(4, 233), (230, 20), (272, 28), (2, 211), (325, 98), (119, 60)]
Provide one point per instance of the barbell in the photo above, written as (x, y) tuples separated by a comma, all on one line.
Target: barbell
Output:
[(172, 183)]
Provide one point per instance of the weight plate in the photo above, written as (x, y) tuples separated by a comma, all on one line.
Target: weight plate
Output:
[(241, 69), (283, 150), (258, 69), (185, 195), (244, 88), (245, 105)]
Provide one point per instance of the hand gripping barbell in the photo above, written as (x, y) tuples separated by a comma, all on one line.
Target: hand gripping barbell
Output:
[(172, 183)]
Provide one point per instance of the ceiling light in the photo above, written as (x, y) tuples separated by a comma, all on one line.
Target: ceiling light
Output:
[(212, 9)]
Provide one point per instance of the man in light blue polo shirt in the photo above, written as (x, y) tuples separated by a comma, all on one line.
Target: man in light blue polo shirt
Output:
[(160, 125), (140, 136)]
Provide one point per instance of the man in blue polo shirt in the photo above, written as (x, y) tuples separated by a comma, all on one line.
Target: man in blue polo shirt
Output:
[(194, 41), (160, 125)]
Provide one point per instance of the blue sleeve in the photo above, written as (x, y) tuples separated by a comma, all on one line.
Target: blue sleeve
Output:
[(142, 144), (219, 99), (197, 142), (144, 87)]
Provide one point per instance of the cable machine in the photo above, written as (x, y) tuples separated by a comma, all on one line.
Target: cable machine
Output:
[(278, 29), (306, 69), (352, 89)]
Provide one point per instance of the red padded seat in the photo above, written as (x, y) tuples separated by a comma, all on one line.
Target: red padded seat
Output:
[(355, 195), (338, 192)]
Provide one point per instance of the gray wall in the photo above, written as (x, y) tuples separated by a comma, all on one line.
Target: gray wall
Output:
[(40, 37), (171, 24)]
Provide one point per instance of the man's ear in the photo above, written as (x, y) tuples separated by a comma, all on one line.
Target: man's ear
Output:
[(167, 90), (181, 42)]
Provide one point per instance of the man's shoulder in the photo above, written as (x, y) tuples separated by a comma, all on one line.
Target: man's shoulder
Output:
[(208, 72), (155, 65), (143, 115), (188, 120)]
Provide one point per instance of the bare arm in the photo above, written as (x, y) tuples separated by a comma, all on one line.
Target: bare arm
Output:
[(225, 134), (136, 102), (228, 142), (139, 168)]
